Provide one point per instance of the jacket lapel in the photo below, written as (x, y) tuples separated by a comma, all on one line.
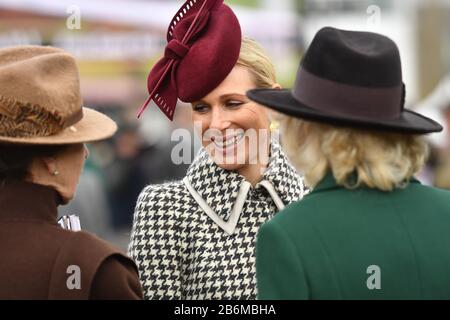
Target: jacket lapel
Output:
[(218, 188), (222, 193)]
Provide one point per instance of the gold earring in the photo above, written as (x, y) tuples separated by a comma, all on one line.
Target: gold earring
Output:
[(56, 172), (274, 125)]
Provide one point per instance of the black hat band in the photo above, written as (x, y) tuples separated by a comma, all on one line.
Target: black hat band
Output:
[(340, 98)]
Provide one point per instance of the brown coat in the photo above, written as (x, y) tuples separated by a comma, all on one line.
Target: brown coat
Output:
[(38, 256)]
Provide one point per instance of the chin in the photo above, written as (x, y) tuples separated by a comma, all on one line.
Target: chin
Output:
[(230, 163), (230, 166), (65, 199)]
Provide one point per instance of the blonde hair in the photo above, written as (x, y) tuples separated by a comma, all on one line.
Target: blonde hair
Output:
[(355, 156), (253, 57)]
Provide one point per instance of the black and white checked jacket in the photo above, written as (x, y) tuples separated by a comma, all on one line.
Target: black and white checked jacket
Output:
[(195, 238)]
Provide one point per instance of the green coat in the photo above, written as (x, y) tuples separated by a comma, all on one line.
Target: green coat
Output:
[(322, 246)]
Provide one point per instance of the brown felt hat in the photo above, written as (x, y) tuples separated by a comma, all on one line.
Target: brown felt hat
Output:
[(40, 100)]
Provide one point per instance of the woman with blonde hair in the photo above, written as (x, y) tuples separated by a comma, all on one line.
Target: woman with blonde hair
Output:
[(195, 238), (369, 229)]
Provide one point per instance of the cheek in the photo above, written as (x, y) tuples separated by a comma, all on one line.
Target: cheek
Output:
[(251, 117), (77, 167), (201, 124), (75, 175)]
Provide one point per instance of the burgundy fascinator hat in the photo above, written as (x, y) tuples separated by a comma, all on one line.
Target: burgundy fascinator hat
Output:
[(203, 45)]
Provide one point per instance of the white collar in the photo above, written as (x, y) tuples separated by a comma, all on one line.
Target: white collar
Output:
[(222, 193)]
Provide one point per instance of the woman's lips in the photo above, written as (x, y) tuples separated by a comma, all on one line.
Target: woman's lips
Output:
[(228, 142)]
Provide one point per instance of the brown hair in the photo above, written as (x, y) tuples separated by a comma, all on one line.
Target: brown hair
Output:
[(15, 160)]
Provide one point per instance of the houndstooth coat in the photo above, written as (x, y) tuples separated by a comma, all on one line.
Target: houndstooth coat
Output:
[(195, 238)]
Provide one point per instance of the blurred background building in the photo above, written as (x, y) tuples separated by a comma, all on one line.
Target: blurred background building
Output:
[(117, 41)]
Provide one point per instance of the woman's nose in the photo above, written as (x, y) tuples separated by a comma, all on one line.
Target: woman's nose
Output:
[(218, 120)]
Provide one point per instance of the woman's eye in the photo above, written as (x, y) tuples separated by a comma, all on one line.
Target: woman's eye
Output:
[(200, 108), (233, 104)]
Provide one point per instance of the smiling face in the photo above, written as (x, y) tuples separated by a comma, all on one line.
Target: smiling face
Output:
[(234, 130)]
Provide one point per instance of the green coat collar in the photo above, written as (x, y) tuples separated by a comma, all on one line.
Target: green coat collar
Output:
[(328, 182)]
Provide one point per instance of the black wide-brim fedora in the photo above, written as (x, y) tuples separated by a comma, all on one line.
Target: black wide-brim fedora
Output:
[(349, 78)]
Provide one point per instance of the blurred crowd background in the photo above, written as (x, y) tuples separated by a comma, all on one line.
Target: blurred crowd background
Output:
[(117, 41)]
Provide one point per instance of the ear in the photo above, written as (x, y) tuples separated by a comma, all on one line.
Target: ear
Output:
[(50, 164), (276, 86)]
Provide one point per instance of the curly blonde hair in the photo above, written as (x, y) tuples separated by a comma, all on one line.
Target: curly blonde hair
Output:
[(355, 156)]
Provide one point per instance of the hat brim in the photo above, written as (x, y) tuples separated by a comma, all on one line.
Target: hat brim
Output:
[(283, 101), (94, 126)]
